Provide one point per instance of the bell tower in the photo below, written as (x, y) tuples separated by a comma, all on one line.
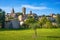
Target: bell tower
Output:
[(24, 10), (12, 11)]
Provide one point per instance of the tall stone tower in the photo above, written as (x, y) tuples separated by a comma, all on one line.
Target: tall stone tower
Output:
[(24, 10), (30, 12), (12, 10), (12, 13)]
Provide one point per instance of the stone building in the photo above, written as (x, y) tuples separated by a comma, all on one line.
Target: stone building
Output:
[(17, 20), (22, 17)]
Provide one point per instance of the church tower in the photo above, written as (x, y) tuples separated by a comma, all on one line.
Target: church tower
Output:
[(24, 10), (12, 11), (30, 12)]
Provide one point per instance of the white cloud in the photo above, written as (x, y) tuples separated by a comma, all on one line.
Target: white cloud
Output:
[(8, 9), (35, 7)]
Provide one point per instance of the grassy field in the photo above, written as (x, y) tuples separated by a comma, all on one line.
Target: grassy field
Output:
[(42, 34)]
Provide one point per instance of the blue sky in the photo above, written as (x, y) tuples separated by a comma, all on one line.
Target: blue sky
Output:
[(39, 7)]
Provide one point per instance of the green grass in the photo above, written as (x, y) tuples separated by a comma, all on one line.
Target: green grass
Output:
[(42, 34)]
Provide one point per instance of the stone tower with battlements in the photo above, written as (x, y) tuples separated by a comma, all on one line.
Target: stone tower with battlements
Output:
[(24, 10)]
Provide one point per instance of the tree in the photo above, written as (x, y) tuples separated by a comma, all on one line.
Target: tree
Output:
[(2, 17), (45, 23), (58, 20), (42, 21), (48, 24), (30, 20), (32, 24)]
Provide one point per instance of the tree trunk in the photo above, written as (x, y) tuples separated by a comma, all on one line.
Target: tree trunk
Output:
[(35, 34)]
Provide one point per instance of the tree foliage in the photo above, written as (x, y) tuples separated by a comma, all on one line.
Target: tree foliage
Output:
[(45, 23), (42, 21), (48, 24), (2, 17), (30, 21), (58, 20)]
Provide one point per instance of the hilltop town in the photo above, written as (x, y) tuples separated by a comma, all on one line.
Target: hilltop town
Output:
[(15, 20)]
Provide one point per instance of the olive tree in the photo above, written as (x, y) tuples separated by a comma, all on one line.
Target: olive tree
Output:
[(32, 24)]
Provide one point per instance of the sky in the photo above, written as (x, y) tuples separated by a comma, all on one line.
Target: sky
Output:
[(40, 7)]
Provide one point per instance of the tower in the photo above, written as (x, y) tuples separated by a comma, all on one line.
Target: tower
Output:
[(24, 10), (12, 11), (30, 12)]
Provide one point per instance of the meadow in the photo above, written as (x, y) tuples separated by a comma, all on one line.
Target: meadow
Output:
[(42, 34)]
